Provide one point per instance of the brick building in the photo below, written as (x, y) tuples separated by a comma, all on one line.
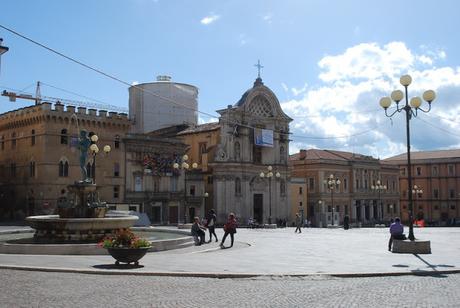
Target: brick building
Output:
[(437, 175)]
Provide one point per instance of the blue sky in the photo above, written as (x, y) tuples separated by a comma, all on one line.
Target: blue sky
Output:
[(328, 62)]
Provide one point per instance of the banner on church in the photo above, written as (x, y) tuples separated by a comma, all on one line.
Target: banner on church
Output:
[(263, 137)]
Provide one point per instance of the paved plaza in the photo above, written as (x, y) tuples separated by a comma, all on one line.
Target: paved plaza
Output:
[(265, 268)]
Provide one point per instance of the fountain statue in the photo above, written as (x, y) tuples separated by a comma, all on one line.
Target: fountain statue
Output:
[(82, 216)]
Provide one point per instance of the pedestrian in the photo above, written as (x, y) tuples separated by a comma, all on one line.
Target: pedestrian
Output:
[(298, 223), (229, 228), (198, 232), (346, 222), (212, 225), (396, 232)]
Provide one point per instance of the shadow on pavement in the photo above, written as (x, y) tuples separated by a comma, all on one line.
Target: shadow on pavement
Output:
[(400, 265), (117, 267)]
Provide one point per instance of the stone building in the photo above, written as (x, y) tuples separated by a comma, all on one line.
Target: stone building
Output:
[(437, 177), (250, 137), (165, 194), (39, 156), (355, 195)]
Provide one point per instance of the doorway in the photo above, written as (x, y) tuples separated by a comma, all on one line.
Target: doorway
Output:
[(173, 215), (191, 214), (259, 208)]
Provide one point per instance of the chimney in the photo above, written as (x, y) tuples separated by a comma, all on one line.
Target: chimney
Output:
[(303, 154)]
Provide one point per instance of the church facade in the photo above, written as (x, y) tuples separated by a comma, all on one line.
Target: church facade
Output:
[(245, 163)]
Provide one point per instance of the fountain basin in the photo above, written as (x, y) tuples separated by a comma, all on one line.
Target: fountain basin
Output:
[(53, 229)]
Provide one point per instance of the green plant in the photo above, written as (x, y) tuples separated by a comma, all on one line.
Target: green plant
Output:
[(124, 238)]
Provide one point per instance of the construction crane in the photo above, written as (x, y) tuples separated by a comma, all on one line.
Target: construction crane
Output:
[(13, 96), (38, 100)]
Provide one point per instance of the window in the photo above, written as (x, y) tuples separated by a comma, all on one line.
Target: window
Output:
[(63, 168), (209, 179), (116, 192), (116, 169), (237, 151), (174, 183), (13, 169), (394, 185), (451, 169), (201, 151), (435, 193), (311, 184), (365, 184), (257, 153), (418, 171), (345, 185), (403, 171), (64, 137), (282, 187), (132, 208), (32, 138), (452, 193), (300, 190), (282, 154), (452, 206), (13, 140), (434, 170), (300, 204), (238, 186), (32, 169), (192, 190), (117, 142), (357, 184)]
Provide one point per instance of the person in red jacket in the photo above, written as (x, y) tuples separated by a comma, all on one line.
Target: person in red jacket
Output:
[(229, 228)]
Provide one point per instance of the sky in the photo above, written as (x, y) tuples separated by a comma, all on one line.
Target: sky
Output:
[(328, 62)]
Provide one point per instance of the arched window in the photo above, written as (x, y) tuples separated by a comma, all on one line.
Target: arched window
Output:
[(237, 186), (32, 140), (64, 137), (237, 151), (32, 169), (117, 142), (282, 187), (63, 168), (13, 140)]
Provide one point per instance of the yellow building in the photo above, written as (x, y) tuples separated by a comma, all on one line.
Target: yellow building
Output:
[(39, 156), (298, 189)]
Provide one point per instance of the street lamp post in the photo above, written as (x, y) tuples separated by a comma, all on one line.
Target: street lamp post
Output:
[(411, 111), (417, 192), (94, 150), (379, 188), (269, 174), (331, 185), (186, 167)]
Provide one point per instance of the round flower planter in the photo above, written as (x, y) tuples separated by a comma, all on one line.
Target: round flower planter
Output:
[(127, 255)]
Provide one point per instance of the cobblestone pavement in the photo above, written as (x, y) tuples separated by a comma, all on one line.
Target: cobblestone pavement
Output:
[(41, 289)]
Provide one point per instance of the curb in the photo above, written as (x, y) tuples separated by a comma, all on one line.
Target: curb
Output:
[(223, 275)]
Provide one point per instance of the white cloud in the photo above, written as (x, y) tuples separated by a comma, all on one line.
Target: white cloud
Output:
[(345, 102), (135, 83), (209, 19), (268, 18), (204, 120)]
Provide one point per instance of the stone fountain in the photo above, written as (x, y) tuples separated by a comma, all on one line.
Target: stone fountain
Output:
[(82, 217)]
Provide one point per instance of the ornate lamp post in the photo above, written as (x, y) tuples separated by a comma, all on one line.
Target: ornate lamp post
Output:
[(186, 167), (94, 150), (332, 184), (269, 174), (379, 188), (416, 192), (411, 111)]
